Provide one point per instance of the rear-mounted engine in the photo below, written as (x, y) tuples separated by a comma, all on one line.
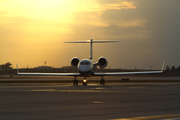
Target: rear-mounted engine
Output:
[(102, 62), (74, 62)]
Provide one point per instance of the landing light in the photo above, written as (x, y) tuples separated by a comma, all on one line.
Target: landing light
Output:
[(84, 81)]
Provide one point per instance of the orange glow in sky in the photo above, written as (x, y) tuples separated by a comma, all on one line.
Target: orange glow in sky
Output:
[(33, 31)]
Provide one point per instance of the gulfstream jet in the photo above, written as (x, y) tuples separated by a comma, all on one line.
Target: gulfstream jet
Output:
[(86, 66)]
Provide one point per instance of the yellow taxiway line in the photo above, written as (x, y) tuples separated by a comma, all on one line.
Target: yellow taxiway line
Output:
[(150, 117)]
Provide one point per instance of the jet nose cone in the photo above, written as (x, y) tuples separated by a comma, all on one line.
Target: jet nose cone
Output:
[(83, 68)]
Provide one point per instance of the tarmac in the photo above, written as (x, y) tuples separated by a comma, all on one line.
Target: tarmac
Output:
[(113, 101), (69, 79)]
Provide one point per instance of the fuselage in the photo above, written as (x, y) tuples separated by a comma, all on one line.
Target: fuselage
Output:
[(85, 67)]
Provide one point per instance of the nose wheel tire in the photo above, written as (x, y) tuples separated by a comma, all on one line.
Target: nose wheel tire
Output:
[(84, 83)]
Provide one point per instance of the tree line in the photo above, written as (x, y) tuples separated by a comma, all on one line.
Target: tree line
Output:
[(172, 70), (6, 66)]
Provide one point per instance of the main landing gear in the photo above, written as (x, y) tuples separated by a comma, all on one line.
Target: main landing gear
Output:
[(75, 81), (102, 81)]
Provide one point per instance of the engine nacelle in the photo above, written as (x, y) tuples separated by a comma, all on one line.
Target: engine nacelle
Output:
[(102, 62), (74, 62)]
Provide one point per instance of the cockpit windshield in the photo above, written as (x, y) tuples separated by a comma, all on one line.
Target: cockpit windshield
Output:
[(84, 63)]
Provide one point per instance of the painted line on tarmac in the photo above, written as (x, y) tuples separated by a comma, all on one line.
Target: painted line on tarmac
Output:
[(151, 117), (56, 90)]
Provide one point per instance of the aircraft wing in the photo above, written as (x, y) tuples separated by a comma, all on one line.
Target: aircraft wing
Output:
[(50, 74), (125, 73), (129, 73)]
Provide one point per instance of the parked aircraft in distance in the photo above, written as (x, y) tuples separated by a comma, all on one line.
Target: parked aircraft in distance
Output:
[(86, 66)]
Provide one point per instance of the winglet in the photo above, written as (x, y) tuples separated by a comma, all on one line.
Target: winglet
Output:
[(162, 67), (17, 69)]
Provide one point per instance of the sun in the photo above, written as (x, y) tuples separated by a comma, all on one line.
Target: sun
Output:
[(47, 9), (40, 9)]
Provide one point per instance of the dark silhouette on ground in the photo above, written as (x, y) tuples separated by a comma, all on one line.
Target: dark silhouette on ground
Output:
[(6, 66)]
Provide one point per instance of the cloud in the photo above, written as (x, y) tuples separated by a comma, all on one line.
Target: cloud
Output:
[(113, 5), (162, 19), (123, 18), (119, 5), (112, 23), (153, 26)]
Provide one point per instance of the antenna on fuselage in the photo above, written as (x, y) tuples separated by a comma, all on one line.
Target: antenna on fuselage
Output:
[(91, 44)]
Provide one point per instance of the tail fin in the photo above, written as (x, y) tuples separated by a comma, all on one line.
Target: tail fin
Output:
[(91, 41)]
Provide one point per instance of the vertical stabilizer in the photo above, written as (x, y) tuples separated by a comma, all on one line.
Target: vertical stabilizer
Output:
[(91, 49)]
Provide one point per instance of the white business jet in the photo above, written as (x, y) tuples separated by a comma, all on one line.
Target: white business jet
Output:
[(86, 66)]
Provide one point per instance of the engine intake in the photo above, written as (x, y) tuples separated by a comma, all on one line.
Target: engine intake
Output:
[(74, 62), (102, 62)]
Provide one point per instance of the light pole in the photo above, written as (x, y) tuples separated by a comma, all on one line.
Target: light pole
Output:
[(45, 62)]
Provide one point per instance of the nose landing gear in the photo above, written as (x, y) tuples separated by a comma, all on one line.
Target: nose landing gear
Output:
[(84, 81), (75, 82)]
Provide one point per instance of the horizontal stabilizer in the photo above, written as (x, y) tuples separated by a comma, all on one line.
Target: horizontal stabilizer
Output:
[(88, 41), (91, 41)]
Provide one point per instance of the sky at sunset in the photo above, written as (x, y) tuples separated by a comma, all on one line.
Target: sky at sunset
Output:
[(33, 31)]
